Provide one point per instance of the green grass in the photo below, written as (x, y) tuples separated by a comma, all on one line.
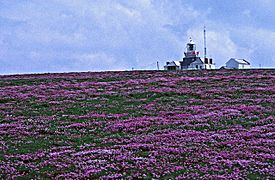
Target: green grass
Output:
[(173, 175), (2, 157), (6, 100), (28, 82), (142, 153), (254, 176), (31, 145), (88, 139)]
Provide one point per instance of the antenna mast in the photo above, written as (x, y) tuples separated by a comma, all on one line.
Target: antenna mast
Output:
[(204, 37)]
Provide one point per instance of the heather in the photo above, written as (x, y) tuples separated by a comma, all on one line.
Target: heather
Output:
[(138, 124)]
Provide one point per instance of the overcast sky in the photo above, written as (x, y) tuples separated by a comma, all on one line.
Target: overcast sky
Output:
[(96, 35)]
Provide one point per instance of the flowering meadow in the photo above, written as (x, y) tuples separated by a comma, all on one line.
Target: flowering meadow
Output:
[(138, 124)]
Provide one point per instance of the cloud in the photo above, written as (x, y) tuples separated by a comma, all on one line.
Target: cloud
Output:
[(260, 42), (69, 35), (130, 32), (91, 60), (247, 13), (220, 46)]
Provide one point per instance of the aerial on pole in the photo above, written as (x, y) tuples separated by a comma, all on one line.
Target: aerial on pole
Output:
[(204, 37), (191, 59)]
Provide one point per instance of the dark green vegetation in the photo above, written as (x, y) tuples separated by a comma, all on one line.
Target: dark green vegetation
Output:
[(139, 124)]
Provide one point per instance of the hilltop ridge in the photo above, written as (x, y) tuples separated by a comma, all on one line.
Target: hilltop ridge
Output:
[(138, 124)]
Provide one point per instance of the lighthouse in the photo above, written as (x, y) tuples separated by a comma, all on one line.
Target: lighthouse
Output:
[(191, 59), (191, 49)]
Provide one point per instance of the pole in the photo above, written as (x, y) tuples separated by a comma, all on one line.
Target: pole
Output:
[(204, 37), (157, 65)]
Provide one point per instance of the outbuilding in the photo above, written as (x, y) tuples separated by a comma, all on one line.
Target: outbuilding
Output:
[(172, 66), (235, 63)]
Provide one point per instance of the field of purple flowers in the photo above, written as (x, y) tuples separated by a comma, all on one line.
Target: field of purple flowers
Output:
[(138, 124)]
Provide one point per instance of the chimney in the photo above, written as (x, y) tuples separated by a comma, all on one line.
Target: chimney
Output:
[(210, 61), (206, 60)]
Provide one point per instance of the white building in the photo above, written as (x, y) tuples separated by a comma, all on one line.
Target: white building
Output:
[(234, 63), (191, 61), (172, 66)]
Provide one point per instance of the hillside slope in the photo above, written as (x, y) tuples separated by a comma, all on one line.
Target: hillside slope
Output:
[(138, 124)]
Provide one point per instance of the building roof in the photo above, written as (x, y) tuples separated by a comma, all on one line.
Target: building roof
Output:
[(191, 41), (177, 63), (187, 61), (240, 61), (174, 63)]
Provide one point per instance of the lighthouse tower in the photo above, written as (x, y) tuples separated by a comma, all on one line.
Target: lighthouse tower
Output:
[(191, 59), (191, 49)]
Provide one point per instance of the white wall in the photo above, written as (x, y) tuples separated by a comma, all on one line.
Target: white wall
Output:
[(232, 64), (244, 66), (209, 66)]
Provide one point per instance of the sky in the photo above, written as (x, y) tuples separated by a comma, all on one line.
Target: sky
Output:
[(39, 36)]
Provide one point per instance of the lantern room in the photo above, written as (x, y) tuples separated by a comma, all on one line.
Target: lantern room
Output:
[(191, 49)]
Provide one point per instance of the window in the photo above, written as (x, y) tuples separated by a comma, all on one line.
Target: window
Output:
[(191, 47), (171, 68), (197, 67)]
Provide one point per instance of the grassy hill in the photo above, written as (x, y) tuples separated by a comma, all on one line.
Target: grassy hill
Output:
[(138, 124)]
